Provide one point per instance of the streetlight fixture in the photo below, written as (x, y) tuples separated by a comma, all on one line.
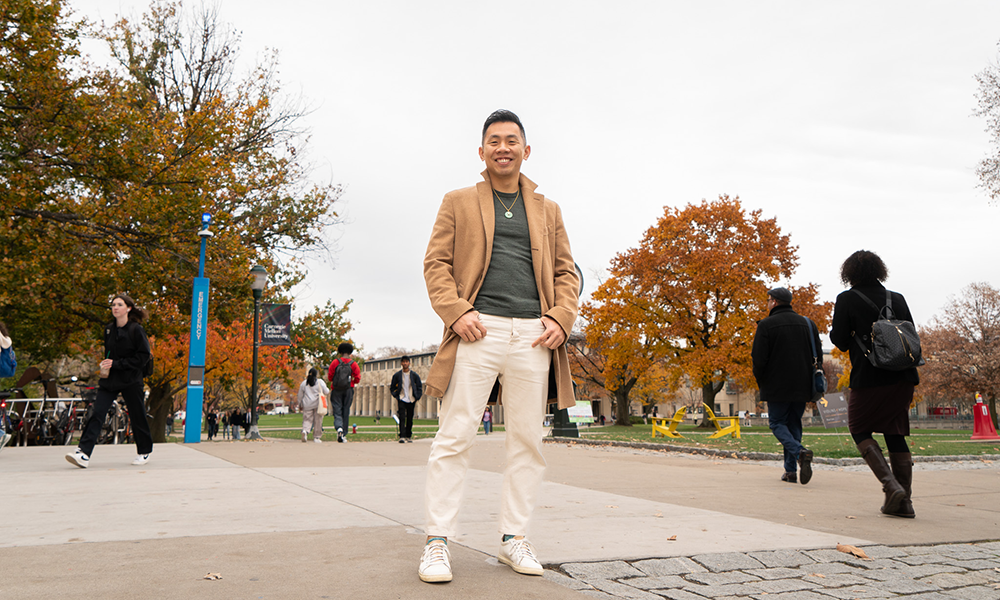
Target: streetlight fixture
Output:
[(258, 285)]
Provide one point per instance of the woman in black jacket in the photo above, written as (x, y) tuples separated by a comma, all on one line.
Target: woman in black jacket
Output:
[(126, 351), (880, 399)]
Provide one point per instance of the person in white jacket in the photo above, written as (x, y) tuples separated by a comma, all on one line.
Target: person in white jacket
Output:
[(309, 404)]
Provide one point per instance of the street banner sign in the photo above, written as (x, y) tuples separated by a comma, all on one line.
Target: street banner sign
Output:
[(276, 325)]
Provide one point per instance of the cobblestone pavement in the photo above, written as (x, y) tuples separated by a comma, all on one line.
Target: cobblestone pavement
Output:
[(934, 572)]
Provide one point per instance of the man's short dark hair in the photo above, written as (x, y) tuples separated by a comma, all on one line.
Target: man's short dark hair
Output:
[(404, 357), (863, 268), (503, 116), (345, 348)]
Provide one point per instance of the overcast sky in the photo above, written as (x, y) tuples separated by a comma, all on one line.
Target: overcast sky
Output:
[(849, 122)]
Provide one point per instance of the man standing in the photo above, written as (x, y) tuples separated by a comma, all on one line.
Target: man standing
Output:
[(406, 388), (212, 422), (501, 276), (783, 367), (344, 374)]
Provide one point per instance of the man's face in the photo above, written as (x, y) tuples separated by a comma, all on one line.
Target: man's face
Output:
[(503, 149), (406, 365)]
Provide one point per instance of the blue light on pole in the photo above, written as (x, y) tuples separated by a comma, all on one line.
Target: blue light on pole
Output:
[(199, 336)]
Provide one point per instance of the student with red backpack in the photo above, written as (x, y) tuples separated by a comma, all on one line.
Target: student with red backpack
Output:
[(344, 374)]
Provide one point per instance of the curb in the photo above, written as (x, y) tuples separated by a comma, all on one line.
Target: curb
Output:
[(840, 462)]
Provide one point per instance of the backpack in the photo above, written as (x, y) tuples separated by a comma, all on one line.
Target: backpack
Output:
[(895, 343), (147, 369), (342, 376)]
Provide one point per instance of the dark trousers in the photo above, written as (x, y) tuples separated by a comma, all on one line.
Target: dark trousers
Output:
[(133, 396), (406, 418), (340, 401), (785, 421)]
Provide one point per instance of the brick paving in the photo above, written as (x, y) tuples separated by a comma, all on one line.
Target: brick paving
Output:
[(932, 572)]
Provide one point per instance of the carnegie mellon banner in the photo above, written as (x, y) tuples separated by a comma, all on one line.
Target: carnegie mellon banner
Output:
[(276, 325)]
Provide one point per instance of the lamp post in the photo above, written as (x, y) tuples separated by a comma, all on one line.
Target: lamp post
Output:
[(259, 282)]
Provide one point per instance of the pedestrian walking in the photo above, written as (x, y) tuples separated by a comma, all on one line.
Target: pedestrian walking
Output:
[(310, 397), (487, 421), (407, 389), (880, 399), (126, 352), (344, 374), (783, 367)]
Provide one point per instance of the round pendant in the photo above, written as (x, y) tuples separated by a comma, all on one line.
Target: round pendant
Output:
[(509, 215)]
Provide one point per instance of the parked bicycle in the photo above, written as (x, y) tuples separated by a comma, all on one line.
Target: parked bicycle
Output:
[(7, 425)]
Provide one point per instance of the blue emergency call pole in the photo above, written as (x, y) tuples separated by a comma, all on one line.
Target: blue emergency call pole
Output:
[(199, 334)]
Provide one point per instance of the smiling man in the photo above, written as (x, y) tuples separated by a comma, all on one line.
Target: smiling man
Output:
[(501, 276)]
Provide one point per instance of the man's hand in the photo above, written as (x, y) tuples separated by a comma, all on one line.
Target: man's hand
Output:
[(469, 327), (553, 337)]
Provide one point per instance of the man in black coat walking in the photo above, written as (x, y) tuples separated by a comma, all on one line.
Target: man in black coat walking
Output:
[(406, 388), (783, 366)]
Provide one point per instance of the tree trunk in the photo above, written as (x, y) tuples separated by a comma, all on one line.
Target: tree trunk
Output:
[(708, 392), (161, 402), (622, 416)]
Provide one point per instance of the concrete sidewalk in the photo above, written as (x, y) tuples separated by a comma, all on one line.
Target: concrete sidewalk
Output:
[(283, 519)]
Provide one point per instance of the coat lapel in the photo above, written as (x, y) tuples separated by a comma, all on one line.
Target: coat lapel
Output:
[(534, 210), (484, 190)]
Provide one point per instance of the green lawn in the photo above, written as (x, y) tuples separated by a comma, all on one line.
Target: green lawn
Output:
[(830, 443), (290, 427)]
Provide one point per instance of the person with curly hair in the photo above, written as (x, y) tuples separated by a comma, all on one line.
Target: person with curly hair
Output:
[(879, 399)]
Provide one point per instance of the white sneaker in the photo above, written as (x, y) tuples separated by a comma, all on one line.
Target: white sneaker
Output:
[(435, 563), (318, 441), (141, 459), (304, 436), (518, 553), (78, 458)]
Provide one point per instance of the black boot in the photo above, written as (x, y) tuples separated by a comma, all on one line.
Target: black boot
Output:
[(902, 470), (894, 492)]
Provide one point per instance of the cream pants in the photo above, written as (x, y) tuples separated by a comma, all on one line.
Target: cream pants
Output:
[(524, 374), (313, 422)]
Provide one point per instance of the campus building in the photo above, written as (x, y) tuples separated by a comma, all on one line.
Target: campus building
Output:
[(372, 396)]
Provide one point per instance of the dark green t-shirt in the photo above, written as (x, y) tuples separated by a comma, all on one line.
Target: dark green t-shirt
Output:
[(509, 288)]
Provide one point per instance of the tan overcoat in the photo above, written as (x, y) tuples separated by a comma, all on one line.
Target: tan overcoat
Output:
[(458, 255)]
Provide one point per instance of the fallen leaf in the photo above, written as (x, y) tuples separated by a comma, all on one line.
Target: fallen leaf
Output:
[(610, 506), (213, 576), (801, 515), (672, 538), (850, 517), (959, 505), (922, 448), (849, 549), (820, 575), (659, 514)]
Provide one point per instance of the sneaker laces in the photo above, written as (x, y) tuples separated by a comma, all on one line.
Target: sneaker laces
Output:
[(435, 554), (521, 549)]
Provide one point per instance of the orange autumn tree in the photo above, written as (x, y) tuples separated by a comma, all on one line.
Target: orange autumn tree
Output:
[(106, 165), (620, 345), (230, 352), (689, 297)]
